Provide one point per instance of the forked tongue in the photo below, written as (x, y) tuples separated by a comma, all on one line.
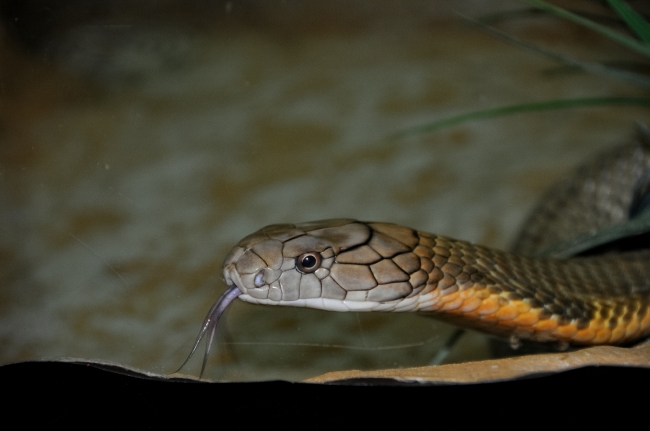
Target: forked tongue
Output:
[(210, 324)]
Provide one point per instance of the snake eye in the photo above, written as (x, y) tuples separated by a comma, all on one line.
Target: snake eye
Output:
[(308, 262)]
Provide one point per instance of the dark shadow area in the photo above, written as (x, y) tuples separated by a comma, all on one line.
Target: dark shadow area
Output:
[(70, 394)]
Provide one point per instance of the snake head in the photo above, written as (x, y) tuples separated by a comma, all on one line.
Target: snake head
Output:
[(337, 265)]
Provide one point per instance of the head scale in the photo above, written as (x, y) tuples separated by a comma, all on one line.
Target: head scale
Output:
[(326, 264)]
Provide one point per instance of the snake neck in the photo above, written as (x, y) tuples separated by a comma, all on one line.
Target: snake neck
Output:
[(582, 300)]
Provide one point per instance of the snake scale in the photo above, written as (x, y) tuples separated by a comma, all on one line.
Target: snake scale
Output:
[(350, 265)]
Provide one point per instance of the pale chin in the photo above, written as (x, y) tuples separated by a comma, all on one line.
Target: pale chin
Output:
[(318, 303)]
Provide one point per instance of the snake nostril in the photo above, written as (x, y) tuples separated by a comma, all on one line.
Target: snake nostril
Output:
[(259, 279)]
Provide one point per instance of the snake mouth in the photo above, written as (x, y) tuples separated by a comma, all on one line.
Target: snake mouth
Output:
[(231, 277)]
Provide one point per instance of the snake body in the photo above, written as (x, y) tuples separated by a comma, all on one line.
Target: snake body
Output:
[(350, 265), (385, 267)]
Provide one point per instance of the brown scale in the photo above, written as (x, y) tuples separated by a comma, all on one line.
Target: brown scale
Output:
[(587, 199), (578, 301)]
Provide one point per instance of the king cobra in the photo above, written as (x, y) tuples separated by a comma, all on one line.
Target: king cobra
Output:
[(601, 297)]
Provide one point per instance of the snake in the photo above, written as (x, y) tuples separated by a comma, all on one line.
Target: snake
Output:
[(592, 298)]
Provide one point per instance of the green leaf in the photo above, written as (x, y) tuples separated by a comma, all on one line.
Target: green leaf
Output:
[(518, 109), (635, 21), (627, 41), (596, 68)]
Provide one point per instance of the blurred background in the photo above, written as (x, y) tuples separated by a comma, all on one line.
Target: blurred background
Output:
[(139, 141)]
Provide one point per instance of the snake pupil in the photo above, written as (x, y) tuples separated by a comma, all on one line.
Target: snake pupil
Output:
[(308, 262)]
